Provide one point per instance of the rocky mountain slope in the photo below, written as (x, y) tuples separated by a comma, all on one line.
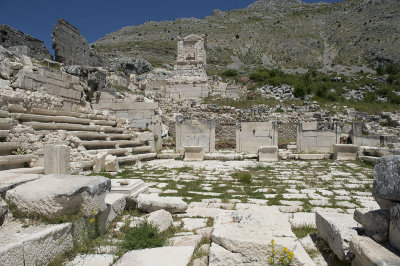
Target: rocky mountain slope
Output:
[(345, 36)]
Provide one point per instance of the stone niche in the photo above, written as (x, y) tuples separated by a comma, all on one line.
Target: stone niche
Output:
[(317, 137), (362, 138), (250, 136), (71, 48), (190, 79), (191, 132)]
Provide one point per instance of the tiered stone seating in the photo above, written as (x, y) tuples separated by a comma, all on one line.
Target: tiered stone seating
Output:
[(97, 134)]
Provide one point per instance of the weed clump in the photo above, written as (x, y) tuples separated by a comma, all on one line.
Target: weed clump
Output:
[(243, 177), (144, 236)]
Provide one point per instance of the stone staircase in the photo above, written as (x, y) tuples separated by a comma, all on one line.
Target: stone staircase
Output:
[(96, 132)]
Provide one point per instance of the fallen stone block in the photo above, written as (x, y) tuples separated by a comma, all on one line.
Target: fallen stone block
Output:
[(345, 152), (193, 153), (11, 180), (99, 162), (161, 219), (313, 156), (181, 241), (337, 230), (151, 202), (131, 188), (375, 223), (394, 226), (33, 245), (56, 159), (268, 154), (245, 236), (368, 253), (111, 163), (166, 256), (115, 206), (56, 195), (387, 178)]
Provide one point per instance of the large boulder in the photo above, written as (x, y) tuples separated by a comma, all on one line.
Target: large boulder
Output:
[(337, 230), (56, 195), (161, 219), (166, 256), (152, 202), (247, 236), (375, 223), (387, 178)]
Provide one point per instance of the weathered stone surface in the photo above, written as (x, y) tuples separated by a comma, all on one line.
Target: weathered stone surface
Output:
[(10, 37), (194, 153), (111, 163), (71, 48), (99, 162), (56, 159), (191, 224), (394, 227), (151, 202), (166, 256), (181, 241), (337, 230), (115, 206), (345, 152), (161, 218), (375, 223), (33, 245), (369, 253), (387, 178), (10, 180), (92, 260), (268, 153), (55, 195), (244, 237), (3, 211)]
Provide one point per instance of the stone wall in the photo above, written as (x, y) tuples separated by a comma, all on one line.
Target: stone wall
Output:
[(361, 138), (71, 48), (191, 132), (18, 41), (251, 135), (317, 137)]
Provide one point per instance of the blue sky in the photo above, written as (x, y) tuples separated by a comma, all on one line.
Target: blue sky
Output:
[(94, 19)]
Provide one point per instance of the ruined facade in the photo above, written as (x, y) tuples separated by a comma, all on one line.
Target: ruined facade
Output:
[(71, 48), (17, 41), (190, 79)]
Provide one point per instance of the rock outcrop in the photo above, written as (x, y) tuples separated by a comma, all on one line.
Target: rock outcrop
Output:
[(71, 48), (22, 43)]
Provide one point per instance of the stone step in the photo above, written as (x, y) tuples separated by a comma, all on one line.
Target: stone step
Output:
[(93, 144), (4, 114), (72, 127), (51, 119), (143, 149), (8, 147), (135, 158), (120, 151), (14, 159), (33, 170), (7, 123), (4, 134), (14, 108), (84, 135), (22, 244)]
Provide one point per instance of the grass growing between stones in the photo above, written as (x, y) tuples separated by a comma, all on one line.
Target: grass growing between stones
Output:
[(144, 236), (200, 252), (303, 230)]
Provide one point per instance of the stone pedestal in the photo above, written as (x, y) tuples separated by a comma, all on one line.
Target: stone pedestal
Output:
[(194, 153), (345, 152), (268, 154), (56, 159)]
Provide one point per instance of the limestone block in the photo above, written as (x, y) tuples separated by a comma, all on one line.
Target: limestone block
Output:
[(345, 152), (387, 178), (369, 253), (337, 230), (55, 195), (117, 204), (151, 202), (10, 180), (161, 219), (34, 244), (190, 224), (194, 153), (375, 223), (309, 126), (99, 162), (166, 256), (268, 153), (181, 241), (244, 237), (56, 159), (394, 227), (111, 164)]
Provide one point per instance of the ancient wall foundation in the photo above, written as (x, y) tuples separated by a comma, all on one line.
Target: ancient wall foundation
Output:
[(251, 135), (317, 137)]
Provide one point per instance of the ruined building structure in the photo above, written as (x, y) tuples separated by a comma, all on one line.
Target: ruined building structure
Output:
[(190, 79), (71, 48)]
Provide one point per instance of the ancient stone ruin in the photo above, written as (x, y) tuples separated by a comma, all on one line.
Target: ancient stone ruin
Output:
[(71, 48)]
